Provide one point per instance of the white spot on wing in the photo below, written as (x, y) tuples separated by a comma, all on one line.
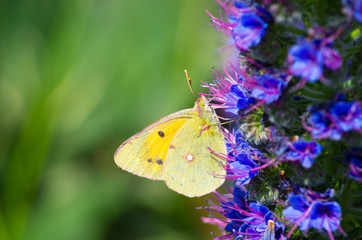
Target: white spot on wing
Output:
[(189, 158)]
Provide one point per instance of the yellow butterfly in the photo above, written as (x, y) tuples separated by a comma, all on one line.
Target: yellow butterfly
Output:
[(176, 149)]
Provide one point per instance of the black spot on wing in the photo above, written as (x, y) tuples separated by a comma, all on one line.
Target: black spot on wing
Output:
[(159, 161), (149, 160), (161, 134)]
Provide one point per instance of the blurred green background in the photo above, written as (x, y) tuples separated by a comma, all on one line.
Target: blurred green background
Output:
[(77, 78)]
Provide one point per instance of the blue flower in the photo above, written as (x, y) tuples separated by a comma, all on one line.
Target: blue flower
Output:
[(240, 163), (322, 126), (244, 219), (242, 169), (248, 31), (297, 211), (234, 209), (229, 94), (353, 8), (313, 213), (347, 115), (238, 99), (358, 10), (332, 120), (236, 143), (354, 159), (325, 215), (254, 225), (247, 24), (267, 88), (304, 152), (306, 60)]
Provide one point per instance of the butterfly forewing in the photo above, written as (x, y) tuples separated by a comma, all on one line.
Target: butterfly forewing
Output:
[(145, 153)]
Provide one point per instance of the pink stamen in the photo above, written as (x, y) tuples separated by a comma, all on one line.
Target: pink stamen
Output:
[(214, 221)]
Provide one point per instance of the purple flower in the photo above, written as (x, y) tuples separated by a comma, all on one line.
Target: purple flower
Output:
[(331, 58), (229, 93), (243, 219), (322, 126), (347, 115), (240, 160), (267, 87), (242, 169), (354, 159), (325, 215), (358, 10), (236, 143), (313, 213), (238, 99), (297, 212), (306, 60), (304, 152), (247, 24), (248, 31), (353, 8), (332, 120)]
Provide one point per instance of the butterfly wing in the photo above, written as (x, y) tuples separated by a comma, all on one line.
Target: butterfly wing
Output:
[(191, 167), (145, 153)]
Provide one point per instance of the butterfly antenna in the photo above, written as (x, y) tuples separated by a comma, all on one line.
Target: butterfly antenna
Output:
[(189, 82), (227, 122)]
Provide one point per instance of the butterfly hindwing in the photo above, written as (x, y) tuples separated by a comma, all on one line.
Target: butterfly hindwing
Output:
[(192, 169), (145, 153)]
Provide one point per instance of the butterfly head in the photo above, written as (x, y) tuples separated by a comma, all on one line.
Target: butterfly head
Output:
[(201, 105)]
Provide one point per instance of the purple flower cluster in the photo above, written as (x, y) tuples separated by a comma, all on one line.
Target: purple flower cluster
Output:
[(246, 24), (307, 59), (241, 164), (238, 93), (267, 88), (303, 152), (229, 93), (263, 108), (334, 119), (312, 211), (243, 219)]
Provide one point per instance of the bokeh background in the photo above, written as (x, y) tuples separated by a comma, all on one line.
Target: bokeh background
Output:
[(77, 78)]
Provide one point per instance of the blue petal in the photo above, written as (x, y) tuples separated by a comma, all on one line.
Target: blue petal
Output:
[(292, 213), (299, 202), (307, 162)]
